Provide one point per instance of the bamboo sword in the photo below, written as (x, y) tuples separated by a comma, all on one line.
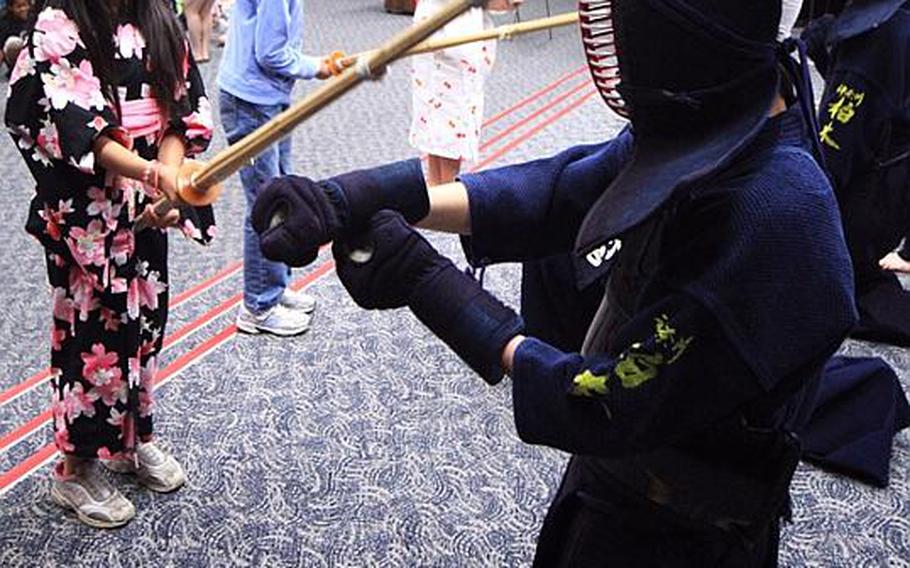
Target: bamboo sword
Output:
[(505, 32), (200, 183)]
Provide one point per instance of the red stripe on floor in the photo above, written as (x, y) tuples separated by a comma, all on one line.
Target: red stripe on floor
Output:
[(518, 124), (508, 147), (533, 97)]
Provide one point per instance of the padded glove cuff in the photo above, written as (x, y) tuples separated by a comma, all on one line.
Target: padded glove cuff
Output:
[(467, 318), (399, 186)]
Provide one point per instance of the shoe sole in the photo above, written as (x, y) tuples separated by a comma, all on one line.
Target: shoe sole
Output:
[(162, 489), (252, 329), (94, 523)]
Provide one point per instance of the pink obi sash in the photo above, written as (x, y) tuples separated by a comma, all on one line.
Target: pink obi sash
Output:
[(142, 117)]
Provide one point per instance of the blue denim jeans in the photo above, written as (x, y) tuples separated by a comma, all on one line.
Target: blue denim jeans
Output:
[(264, 281)]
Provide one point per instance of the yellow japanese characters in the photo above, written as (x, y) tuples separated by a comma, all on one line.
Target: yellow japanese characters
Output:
[(638, 364), (841, 111)]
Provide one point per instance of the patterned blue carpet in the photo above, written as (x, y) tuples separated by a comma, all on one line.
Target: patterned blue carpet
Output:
[(364, 442)]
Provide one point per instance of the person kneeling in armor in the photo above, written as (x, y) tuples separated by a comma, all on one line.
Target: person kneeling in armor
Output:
[(863, 117)]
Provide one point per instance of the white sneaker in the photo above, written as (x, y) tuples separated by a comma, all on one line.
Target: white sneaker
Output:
[(91, 496), (297, 301), (157, 470), (280, 320)]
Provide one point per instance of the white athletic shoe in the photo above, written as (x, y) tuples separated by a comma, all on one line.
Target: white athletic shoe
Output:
[(157, 470), (297, 301), (89, 494), (280, 320)]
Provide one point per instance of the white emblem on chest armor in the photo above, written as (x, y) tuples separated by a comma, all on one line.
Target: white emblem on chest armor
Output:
[(603, 253)]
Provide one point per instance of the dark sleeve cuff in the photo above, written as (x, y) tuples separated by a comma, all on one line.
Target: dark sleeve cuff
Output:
[(489, 198), (545, 414), (398, 186), (534, 210)]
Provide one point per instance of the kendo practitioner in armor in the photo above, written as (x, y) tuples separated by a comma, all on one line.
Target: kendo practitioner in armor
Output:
[(848, 426), (726, 283), (552, 305), (864, 117), (865, 133)]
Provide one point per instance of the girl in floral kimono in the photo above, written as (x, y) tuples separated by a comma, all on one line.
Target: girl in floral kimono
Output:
[(103, 116), (447, 91)]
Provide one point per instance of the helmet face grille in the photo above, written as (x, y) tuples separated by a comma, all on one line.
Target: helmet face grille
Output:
[(597, 33)]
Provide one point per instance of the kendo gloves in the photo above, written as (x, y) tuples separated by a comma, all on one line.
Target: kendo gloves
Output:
[(391, 266), (294, 215)]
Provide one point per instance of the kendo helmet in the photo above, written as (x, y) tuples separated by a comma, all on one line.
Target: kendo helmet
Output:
[(696, 78), (657, 54)]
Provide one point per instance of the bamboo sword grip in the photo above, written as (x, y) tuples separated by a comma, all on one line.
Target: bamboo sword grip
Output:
[(188, 193)]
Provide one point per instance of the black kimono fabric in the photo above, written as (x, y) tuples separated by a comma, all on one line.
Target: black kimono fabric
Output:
[(110, 284)]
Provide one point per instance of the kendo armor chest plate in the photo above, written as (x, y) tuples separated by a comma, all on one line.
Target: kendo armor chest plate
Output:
[(703, 483)]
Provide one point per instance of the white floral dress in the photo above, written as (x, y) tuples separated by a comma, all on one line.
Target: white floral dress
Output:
[(110, 284), (447, 88)]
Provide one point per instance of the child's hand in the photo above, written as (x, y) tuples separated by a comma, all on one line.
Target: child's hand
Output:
[(503, 5), (324, 71), (168, 181), (151, 219), (334, 64)]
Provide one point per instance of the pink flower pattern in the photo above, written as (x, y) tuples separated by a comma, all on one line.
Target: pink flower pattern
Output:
[(63, 307), (55, 218), (62, 439), (99, 366), (56, 36), (49, 141), (82, 286), (129, 41), (66, 84), (77, 402), (149, 290), (112, 392), (199, 122), (111, 319), (87, 245), (24, 67), (102, 206), (123, 247), (108, 282), (58, 336), (147, 382), (190, 230), (135, 373)]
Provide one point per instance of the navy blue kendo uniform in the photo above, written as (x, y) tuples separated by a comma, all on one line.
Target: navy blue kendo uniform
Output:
[(554, 310), (552, 307), (688, 350), (725, 286), (864, 119)]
